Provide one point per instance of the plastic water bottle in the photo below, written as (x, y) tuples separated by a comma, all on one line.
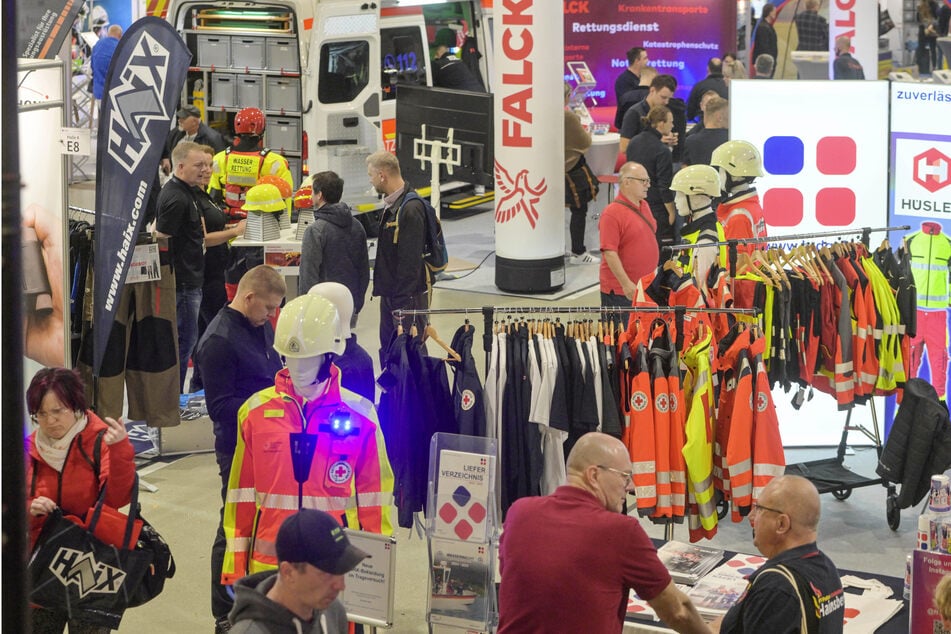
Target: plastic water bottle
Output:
[(937, 515)]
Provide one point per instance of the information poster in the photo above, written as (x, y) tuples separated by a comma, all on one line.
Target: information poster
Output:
[(42, 205), (680, 36), (927, 569), (286, 259), (462, 496), (368, 596), (461, 584), (920, 196), (822, 174)]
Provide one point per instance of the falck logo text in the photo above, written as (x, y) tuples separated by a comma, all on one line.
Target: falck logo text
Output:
[(136, 100), (74, 567)]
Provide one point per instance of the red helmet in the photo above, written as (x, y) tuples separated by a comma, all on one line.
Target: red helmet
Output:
[(249, 121)]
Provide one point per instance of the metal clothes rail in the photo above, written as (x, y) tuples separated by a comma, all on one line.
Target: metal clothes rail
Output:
[(733, 244), (489, 313)]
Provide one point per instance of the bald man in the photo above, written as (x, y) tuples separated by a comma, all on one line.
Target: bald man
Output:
[(569, 560), (798, 588), (846, 66)]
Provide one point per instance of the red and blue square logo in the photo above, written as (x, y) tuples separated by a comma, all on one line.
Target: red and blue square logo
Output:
[(786, 156)]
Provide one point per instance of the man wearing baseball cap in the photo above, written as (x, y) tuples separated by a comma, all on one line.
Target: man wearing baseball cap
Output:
[(190, 128), (300, 597)]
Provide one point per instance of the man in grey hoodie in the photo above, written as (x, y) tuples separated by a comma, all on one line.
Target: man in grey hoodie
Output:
[(300, 597), (334, 248)]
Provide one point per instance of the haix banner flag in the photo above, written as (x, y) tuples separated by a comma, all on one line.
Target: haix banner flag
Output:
[(143, 89)]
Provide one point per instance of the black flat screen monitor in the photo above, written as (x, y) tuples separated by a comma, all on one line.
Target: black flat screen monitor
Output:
[(469, 114)]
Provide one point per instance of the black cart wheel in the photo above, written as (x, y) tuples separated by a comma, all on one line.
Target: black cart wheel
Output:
[(892, 512), (842, 494), (722, 508)]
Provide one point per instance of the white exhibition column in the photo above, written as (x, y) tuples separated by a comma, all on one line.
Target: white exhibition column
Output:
[(857, 19), (529, 146)]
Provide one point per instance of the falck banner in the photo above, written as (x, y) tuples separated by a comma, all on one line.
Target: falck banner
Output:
[(143, 88)]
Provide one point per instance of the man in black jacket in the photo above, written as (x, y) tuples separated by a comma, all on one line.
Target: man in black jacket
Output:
[(400, 278), (190, 128), (334, 248), (236, 357), (713, 81), (448, 70)]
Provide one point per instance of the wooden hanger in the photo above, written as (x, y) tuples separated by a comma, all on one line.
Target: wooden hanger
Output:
[(430, 332)]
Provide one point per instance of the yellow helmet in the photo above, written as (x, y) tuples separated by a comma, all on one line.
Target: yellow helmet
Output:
[(264, 198), (309, 325), (697, 179), (738, 158)]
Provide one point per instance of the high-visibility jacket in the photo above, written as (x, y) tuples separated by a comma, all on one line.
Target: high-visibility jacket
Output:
[(738, 459), (660, 401), (742, 218), (641, 441), (931, 266), (663, 345), (234, 173), (698, 448), (769, 458), (836, 376), (891, 370), (697, 262), (350, 476), (859, 319)]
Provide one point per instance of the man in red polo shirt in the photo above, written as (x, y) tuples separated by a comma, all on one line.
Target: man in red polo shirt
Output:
[(628, 246)]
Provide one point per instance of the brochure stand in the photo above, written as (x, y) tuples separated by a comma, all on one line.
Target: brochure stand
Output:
[(462, 526)]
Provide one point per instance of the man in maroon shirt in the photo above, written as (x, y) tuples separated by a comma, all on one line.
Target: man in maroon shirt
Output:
[(569, 560)]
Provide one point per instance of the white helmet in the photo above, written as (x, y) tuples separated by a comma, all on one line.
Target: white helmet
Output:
[(738, 158), (697, 179), (340, 296), (308, 326)]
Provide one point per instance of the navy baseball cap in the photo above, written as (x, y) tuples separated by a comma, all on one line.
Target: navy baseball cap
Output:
[(314, 537)]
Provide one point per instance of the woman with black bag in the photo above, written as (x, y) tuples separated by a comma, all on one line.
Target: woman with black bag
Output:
[(71, 456)]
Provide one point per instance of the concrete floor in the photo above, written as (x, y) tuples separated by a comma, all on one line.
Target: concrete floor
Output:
[(185, 506)]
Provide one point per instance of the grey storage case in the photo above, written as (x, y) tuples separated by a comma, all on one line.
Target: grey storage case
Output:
[(282, 134), (214, 51), (249, 91), (247, 52), (223, 90), (283, 93), (282, 55)]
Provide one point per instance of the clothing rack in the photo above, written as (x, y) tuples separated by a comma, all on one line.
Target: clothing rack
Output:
[(82, 214), (733, 244), (489, 313)]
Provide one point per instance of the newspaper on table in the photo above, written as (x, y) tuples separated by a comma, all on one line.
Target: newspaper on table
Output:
[(687, 563)]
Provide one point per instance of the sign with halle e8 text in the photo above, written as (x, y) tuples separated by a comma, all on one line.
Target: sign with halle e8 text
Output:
[(75, 141)]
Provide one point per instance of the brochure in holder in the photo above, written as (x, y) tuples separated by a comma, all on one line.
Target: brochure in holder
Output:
[(584, 81), (462, 525)]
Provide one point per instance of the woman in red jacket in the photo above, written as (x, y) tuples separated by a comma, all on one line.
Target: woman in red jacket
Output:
[(62, 470)]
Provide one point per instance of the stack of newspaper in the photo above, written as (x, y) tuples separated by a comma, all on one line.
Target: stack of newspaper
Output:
[(687, 563)]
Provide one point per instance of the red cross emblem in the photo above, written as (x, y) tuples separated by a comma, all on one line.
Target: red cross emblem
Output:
[(662, 403), (638, 401), (467, 400), (340, 472)]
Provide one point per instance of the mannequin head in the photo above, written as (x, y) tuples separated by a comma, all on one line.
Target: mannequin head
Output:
[(695, 185), (310, 374), (340, 296), (739, 164), (308, 336)]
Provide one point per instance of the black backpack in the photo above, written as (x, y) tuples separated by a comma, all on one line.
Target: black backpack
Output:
[(435, 255)]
